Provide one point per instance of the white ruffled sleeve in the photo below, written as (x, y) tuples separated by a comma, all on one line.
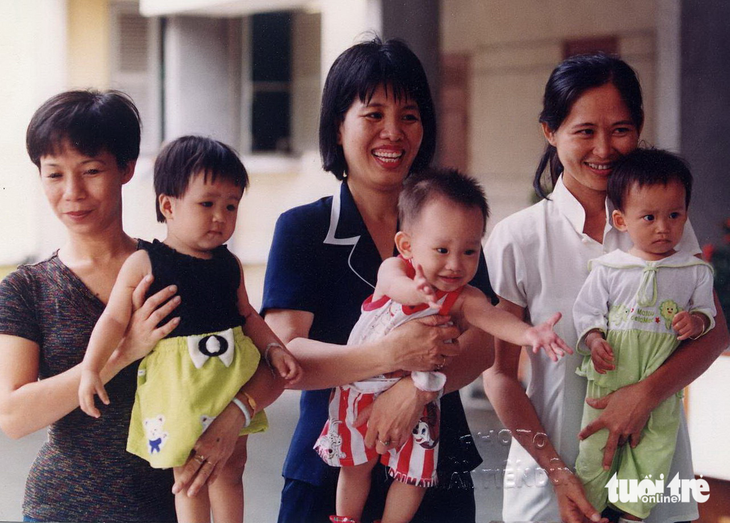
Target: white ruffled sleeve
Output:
[(506, 265), (591, 307), (702, 298)]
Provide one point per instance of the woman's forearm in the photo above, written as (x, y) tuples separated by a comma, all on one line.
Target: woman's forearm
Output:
[(688, 362), (516, 412), (510, 400), (324, 365), (328, 365), (49, 399), (416, 345)]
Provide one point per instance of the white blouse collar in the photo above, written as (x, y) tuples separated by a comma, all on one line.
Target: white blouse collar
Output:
[(571, 208)]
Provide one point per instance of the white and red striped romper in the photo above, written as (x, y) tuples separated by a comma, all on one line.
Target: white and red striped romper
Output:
[(341, 444)]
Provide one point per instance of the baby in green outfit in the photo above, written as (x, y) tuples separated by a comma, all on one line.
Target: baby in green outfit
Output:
[(632, 312)]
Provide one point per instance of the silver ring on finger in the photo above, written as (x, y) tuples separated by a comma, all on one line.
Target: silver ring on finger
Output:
[(385, 443), (200, 459)]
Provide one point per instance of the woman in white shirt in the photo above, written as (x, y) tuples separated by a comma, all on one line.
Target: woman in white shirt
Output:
[(538, 260)]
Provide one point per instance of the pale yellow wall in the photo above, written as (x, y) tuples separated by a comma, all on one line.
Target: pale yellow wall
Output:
[(466, 24), (513, 46), (88, 43)]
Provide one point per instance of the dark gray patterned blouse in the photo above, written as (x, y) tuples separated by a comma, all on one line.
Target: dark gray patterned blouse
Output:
[(82, 473)]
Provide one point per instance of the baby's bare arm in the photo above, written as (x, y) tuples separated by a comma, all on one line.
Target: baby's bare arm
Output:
[(112, 324), (109, 331), (394, 282), (478, 311)]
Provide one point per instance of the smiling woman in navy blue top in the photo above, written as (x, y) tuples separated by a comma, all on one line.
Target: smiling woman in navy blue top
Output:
[(376, 126)]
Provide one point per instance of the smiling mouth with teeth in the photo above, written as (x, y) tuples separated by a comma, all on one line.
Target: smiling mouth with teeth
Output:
[(600, 166), (387, 156)]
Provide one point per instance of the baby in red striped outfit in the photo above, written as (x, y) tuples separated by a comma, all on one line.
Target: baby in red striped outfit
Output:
[(443, 216)]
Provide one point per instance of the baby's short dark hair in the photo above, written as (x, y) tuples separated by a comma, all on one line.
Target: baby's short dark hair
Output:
[(90, 121), (187, 156), (647, 167), (420, 188)]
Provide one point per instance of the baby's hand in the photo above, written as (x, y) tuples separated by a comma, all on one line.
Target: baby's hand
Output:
[(91, 384), (283, 362), (687, 325), (544, 336), (425, 289), (601, 355)]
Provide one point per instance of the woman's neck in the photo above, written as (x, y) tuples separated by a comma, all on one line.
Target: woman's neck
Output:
[(594, 206), (379, 211), (98, 249), (96, 260)]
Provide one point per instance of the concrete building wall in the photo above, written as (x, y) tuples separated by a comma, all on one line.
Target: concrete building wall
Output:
[(306, 80), (705, 143), (513, 46), (88, 43), (416, 22), (705, 113)]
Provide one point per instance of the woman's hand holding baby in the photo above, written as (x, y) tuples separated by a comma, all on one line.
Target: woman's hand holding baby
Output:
[(144, 329), (211, 452), (142, 334), (391, 417), (423, 344)]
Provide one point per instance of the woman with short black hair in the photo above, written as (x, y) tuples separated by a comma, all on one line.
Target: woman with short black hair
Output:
[(377, 124)]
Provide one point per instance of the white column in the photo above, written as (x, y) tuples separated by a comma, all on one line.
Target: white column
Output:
[(668, 80), (201, 95), (33, 62), (346, 23)]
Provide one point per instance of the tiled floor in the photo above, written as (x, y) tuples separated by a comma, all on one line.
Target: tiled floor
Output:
[(266, 454)]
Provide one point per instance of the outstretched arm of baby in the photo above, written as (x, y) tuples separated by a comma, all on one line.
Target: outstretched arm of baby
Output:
[(272, 349), (109, 331), (394, 282), (505, 326)]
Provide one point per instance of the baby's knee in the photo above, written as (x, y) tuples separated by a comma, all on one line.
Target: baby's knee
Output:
[(363, 470)]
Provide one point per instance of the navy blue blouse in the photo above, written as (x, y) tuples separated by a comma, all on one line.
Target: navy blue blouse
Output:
[(324, 261)]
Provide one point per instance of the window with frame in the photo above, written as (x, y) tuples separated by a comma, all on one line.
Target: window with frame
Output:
[(271, 82)]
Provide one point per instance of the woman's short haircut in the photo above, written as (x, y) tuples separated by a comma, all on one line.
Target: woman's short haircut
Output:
[(356, 74), (568, 81), (422, 187), (90, 122), (187, 156), (645, 168)]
